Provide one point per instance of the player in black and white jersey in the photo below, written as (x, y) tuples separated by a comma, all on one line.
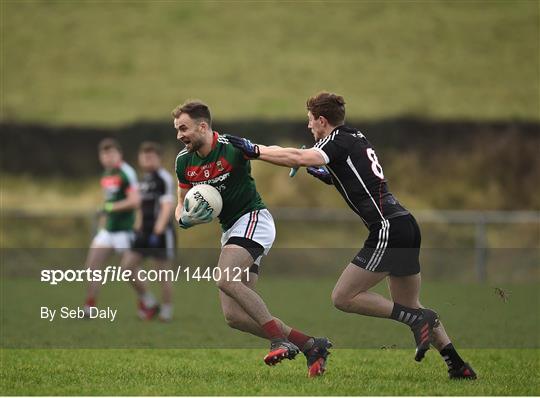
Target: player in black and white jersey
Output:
[(155, 234), (343, 157)]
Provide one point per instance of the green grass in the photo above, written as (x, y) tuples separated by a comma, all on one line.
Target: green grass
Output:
[(97, 62), (241, 372), (198, 354)]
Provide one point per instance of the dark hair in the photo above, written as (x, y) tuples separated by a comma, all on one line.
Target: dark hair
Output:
[(108, 144), (149, 147), (329, 105), (195, 109)]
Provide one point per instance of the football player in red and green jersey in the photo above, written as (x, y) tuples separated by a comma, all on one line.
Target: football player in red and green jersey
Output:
[(248, 233), (121, 194)]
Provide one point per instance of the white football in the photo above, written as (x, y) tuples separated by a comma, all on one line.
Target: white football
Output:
[(205, 193)]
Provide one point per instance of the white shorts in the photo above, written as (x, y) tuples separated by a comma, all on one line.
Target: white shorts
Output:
[(258, 226), (120, 241)]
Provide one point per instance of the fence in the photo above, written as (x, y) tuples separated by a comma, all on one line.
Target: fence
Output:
[(480, 220)]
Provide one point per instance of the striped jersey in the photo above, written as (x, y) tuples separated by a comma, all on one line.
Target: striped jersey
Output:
[(226, 169), (116, 183), (358, 176), (155, 187)]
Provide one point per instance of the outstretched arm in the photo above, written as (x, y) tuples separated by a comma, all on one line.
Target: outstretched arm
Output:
[(287, 157), (290, 157), (311, 158)]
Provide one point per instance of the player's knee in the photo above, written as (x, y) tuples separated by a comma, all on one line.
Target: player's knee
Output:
[(222, 285), (234, 320), (340, 300), (227, 286)]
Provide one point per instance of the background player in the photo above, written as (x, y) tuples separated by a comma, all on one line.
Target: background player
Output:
[(248, 233), (121, 193), (155, 236), (393, 245)]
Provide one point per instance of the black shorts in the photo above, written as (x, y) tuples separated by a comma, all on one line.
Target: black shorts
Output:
[(255, 249), (164, 250), (392, 246)]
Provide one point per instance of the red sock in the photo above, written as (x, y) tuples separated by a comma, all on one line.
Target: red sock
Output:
[(91, 302), (298, 338), (272, 330)]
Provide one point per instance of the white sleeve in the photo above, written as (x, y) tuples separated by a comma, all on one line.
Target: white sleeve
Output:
[(333, 147), (323, 154), (131, 176)]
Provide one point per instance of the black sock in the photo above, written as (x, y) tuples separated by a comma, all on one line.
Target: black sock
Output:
[(451, 357), (404, 314)]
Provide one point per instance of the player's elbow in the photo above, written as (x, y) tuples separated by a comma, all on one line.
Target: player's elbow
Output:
[(136, 202), (302, 163), (298, 159), (305, 158)]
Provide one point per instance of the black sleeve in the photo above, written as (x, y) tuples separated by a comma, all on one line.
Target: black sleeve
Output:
[(166, 189), (334, 147)]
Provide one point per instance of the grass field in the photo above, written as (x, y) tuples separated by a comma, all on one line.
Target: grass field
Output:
[(242, 372), (198, 354), (105, 63)]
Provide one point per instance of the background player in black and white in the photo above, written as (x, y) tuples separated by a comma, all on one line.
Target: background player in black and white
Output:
[(393, 245), (155, 236)]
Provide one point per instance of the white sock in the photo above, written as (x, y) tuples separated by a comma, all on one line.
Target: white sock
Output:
[(166, 311)]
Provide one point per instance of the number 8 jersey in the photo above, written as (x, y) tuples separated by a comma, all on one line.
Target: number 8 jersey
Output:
[(358, 175)]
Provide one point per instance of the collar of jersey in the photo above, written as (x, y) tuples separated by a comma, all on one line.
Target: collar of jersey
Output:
[(214, 143), (347, 129), (332, 132)]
